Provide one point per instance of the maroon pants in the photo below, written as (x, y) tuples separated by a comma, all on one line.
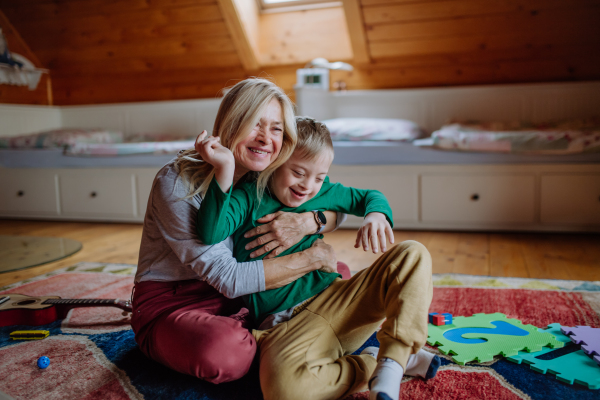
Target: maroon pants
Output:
[(192, 328)]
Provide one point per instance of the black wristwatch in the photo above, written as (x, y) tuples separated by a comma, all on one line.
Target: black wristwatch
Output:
[(320, 220)]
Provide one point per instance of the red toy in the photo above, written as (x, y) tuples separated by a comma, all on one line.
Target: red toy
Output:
[(440, 319)]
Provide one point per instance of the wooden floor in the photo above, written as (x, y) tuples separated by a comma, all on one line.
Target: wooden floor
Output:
[(530, 255)]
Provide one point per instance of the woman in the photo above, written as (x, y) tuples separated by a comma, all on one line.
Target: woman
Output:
[(186, 311)]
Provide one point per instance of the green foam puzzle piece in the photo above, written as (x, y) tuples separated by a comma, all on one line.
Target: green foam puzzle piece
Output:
[(575, 367), (495, 344)]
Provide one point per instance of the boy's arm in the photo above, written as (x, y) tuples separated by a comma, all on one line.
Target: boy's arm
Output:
[(220, 214), (370, 204), (359, 202)]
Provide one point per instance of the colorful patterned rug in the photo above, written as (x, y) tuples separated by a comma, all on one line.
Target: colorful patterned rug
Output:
[(94, 356)]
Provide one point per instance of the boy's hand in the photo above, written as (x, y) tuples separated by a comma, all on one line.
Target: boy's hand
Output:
[(220, 157), (375, 228)]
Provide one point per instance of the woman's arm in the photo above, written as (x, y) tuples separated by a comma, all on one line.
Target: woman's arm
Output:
[(170, 221), (282, 230), (283, 270)]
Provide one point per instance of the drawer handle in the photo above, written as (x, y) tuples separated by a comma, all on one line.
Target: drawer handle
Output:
[(93, 194), (20, 193), (474, 197)]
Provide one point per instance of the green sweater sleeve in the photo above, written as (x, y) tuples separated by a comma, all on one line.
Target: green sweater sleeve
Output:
[(220, 214), (359, 202)]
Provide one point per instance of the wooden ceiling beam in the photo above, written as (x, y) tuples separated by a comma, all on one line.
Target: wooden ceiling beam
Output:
[(356, 29), (240, 23)]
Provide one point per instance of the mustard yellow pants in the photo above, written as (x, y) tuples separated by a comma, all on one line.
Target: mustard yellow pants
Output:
[(308, 357)]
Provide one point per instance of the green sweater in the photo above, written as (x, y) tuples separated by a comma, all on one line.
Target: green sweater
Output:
[(234, 213)]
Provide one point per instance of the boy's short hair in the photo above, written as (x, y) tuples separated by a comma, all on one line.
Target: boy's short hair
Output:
[(313, 138)]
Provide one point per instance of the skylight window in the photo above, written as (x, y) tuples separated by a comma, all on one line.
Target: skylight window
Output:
[(294, 5)]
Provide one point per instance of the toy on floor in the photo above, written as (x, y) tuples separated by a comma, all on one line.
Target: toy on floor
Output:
[(587, 337), (29, 335), (482, 336), (43, 362), (439, 319), (568, 368)]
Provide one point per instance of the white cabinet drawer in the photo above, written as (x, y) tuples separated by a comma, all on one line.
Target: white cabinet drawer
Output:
[(497, 199), (570, 199), (400, 189), (144, 183), (27, 191), (97, 195)]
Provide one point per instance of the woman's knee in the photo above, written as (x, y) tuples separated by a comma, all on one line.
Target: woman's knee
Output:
[(225, 356), (217, 350)]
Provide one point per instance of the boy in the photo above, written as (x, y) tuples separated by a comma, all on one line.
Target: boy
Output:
[(300, 185)]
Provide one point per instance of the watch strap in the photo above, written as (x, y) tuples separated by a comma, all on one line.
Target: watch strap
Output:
[(321, 224)]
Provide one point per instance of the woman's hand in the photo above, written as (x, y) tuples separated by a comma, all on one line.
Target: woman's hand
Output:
[(281, 231), (281, 271), (326, 259), (219, 156), (374, 229)]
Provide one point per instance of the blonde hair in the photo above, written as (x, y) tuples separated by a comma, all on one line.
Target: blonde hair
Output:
[(238, 113), (313, 138)]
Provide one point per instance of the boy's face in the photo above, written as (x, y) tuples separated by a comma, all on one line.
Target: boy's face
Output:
[(300, 179)]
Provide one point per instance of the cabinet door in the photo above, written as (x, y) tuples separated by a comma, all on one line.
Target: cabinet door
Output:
[(88, 193), (476, 199), (570, 199), (400, 188), (27, 192)]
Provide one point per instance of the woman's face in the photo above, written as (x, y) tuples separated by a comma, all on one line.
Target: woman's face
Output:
[(261, 147)]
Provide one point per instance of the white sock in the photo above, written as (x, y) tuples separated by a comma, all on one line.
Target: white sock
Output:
[(371, 350), (418, 364), (385, 381)]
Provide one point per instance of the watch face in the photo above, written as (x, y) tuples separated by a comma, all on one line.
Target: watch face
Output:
[(321, 217)]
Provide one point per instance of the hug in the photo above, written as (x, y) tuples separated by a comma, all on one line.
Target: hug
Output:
[(233, 269)]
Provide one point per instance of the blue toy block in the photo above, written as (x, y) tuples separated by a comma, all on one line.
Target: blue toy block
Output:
[(447, 318), (431, 317)]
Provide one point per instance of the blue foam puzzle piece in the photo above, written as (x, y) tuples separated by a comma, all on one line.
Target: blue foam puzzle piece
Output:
[(501, 328)]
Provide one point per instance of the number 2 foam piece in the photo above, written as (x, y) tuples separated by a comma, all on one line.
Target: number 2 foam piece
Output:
[(482, 336)]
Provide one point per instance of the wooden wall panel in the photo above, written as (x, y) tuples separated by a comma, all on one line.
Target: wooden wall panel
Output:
[(22, 94), (106, 51), (417, 43), (109, 51), (298, 37)]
